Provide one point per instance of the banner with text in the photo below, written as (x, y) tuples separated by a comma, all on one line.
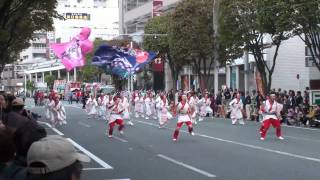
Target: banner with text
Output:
[(157, 8)]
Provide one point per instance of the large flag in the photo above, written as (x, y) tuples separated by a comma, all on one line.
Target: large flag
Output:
[(123, 62), (72, 53)]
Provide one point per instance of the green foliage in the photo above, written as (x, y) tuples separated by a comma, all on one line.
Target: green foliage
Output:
[(306, 17), (19, 19), (246, 24), (49, 79), (30, 85)]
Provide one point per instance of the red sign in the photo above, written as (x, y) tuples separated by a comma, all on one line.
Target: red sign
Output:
[(158, 64), (157, 8)]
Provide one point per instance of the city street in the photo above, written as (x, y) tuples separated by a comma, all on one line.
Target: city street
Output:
[(218, 150)]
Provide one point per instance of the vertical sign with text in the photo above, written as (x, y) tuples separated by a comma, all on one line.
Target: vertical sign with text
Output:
[(157, 8)]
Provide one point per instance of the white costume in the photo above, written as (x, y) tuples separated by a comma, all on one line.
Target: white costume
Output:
[(116, 112), (102, 101), (138, 106), (236, 106), (109, 103), (91, 107), (183, 113), (204, 107), (59, 114), (164, 115), (48, 107), (126, 112), (148, 105), (193, 107)]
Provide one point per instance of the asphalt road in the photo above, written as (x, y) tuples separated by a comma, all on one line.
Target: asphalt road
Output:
[(218, 150)]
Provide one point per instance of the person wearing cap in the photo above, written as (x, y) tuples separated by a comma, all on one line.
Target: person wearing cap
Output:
[(204, 104), (236, 106), (53, 158), (184, 116), (91, 107), (116, 110), (271, 116)]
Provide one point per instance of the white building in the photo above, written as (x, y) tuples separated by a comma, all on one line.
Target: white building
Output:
[(102, 16), (293, 68)]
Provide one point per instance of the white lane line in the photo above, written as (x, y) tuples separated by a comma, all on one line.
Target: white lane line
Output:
[(187, 166), (84, 124), (305, 128), (54, 129), (118, 138), (92, 156), (118, 179), (248, 145), (90, 169), (304, 139)]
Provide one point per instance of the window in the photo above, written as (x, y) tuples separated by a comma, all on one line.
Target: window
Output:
[(308, 58)]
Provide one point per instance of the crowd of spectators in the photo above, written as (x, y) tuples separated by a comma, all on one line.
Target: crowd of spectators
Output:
[(27, 152)]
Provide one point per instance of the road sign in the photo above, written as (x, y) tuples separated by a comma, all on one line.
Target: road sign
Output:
[(314, 97)]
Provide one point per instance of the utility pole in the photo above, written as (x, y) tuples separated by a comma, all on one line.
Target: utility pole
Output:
[(216, 14)]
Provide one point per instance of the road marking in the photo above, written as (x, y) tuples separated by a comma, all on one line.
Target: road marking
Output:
[(305, 139), (187, 166), (311, 129), (90, 169), (247, 145), (84, 124), (54, 129), (92, 156), (118, 138), (119, 179)]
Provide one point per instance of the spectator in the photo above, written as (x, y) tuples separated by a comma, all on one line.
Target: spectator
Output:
[(299, 99), (3, 106), (54, 158), (7, 150), (247, 104), (24, 136)]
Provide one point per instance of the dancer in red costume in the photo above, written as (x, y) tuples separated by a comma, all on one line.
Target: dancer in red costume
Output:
[(116, 111), (271, 116), (184, 116)]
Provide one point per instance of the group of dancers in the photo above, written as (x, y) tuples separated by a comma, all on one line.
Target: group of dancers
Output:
[(187, 108)]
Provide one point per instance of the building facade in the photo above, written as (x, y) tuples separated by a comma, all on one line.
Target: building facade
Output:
[(102, 16)]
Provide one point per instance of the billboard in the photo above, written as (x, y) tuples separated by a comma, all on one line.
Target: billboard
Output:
[(77, 16), (157, 8)]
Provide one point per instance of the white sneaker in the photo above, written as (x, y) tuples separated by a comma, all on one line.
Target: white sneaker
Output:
[(174, 139), (121, 132), (262, 139), (192, 133), (281, 138), (130, 123), (109, 136)]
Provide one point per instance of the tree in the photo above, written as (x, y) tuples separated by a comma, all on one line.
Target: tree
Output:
[(30, 86), (306, 17), (49, 79), (19, 19), (246, 24), (193, 36), (160, 25)]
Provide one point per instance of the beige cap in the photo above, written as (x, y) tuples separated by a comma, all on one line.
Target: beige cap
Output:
[(17, 102), (55, 152)]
